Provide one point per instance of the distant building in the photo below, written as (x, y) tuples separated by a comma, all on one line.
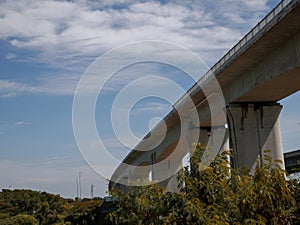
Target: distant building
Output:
[(108, 199), (292, 163)]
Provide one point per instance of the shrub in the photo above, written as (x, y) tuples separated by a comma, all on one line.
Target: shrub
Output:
[(215, 194)]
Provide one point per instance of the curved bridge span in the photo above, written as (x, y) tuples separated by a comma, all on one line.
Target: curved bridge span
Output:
[(259, 71)]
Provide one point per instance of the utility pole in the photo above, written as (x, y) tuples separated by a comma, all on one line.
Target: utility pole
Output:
[(77, 189), (80, 186), (92, 191)]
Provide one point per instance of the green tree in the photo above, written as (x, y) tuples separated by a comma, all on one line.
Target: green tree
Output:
[(19, 219), (294, 186), (85, 212), (141, 205), (45, 208), (215, 194)]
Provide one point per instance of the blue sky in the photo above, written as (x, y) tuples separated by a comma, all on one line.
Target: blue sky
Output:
[(45, 48)]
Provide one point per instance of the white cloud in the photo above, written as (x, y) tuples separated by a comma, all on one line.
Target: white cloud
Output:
[(70, 34), (56, 86), (62, 28), (152, 107), (10, 56), (22, 123)]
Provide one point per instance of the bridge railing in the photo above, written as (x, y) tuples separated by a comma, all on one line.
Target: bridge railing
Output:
[(265, 24)]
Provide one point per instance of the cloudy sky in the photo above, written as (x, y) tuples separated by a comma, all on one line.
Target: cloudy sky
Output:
[(46, 47)]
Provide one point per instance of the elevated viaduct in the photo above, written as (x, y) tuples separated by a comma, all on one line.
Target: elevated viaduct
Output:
[(259, 71)]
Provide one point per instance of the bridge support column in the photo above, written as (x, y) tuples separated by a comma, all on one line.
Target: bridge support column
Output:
[(164, 170), (197, 135), (208, 139), (254, 128)]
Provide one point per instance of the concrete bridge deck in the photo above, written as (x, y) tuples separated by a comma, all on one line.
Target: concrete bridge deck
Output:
[(261, 69)]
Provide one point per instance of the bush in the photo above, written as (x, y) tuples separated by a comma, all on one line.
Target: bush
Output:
[(19, 219), (215, 194)]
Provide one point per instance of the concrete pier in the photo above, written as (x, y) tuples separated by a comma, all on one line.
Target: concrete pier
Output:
[(253, 128)]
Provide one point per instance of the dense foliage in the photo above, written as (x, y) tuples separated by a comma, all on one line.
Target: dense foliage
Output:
[(215, 194), (26, 207)]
